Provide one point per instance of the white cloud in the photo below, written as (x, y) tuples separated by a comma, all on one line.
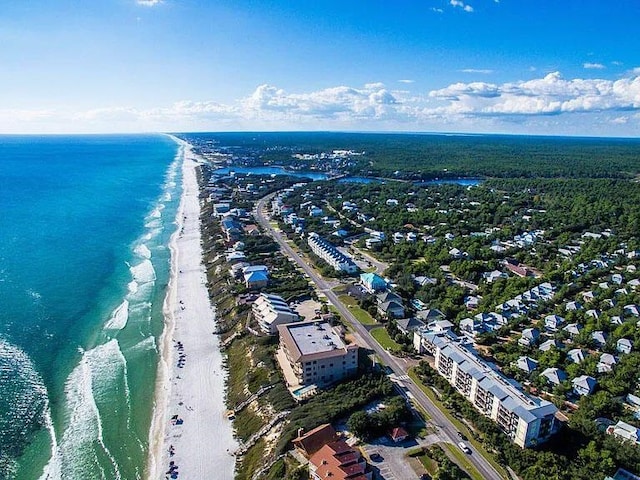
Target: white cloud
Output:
[(406, 81), (476, 70), (148, 3), (543, 96), (551, 104), (617, 63), (437, 10), (593, 66), (461, 4)]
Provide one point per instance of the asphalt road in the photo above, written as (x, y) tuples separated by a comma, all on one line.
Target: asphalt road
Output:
[(446, 429)]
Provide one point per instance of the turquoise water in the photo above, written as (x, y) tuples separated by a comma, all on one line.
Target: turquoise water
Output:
[(84, 227), (272, 171)]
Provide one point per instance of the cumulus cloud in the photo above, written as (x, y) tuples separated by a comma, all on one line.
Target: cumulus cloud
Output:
[(550, 104), (593, 66), (476, 70), (551, 94), (462, 5)]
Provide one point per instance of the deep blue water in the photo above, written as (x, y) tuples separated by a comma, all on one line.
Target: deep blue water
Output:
[(84, 225)]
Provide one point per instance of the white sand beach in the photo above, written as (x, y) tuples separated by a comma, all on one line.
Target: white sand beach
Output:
[(189, 426)]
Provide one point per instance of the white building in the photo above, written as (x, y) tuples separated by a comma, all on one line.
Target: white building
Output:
[(330, 254), (527, 420), (270, 311)]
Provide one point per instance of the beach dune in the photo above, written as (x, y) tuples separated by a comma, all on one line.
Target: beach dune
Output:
[(189, 426)]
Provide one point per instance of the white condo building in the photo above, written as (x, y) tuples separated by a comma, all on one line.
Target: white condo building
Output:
[(270, 311), (330, 254), (527, 420)]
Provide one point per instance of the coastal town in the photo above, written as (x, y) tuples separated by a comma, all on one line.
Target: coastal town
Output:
[(396, 328)]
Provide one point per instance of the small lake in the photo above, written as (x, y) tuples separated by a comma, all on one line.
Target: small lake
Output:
[(313, 175)]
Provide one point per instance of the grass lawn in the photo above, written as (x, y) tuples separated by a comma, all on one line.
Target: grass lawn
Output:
[(460, 426), (382, 337), (461, 459), (361, 315)]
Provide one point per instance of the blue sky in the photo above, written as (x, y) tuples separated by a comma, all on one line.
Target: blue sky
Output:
[(510, 66)]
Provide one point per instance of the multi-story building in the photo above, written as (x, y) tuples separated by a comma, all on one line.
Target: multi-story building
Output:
[(330, 254), (527, 420), (270, 311), (316, 353)]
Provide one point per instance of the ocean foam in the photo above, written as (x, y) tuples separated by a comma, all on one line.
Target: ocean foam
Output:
[(119, 317), (91, 381), (143, 272), (142, 251), (132, 286)]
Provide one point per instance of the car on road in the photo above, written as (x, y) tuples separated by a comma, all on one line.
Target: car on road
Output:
[(461, 435), (464, 447)]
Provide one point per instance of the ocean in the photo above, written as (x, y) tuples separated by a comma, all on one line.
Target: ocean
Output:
[(85, 223)]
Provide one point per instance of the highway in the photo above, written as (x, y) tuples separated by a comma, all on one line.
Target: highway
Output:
[(446, 429)]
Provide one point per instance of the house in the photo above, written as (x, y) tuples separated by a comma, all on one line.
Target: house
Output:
[(599, 337), (456, 253), (270, 311), (251, 230), (616, 278), (372, 243), (577, 355), (398, 434), (625, 432), (430, 315), (553, 322), (315, 353), (390, 304), (408, 325), (573, 329), (606, 363), (584, 385), (256, 276), (624, 345), (593, 313), (549, 344), (573, 306), (398, 237), (339, 461), (632, 309), (235, 257), (526, 364), (554, 375), (309, 443), (491, 277), (530, 337), (373, 283), (471, 302)]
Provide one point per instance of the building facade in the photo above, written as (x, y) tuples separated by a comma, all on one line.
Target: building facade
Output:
[(330, 254), (270, 311), (527, 420), (317, 353)]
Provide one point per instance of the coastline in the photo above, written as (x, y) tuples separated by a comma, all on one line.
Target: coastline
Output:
[(189, 407)]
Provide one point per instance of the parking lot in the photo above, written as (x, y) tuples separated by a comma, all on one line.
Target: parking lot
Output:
[(388, 459)]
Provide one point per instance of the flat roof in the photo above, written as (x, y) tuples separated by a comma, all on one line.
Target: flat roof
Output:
[(315, 337)]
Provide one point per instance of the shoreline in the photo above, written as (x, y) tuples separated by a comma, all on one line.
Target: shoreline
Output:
[(189, 426)]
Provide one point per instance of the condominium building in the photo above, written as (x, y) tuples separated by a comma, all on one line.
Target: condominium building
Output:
[(330, 254), (527, 420), (316, 353), (270, 311)]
